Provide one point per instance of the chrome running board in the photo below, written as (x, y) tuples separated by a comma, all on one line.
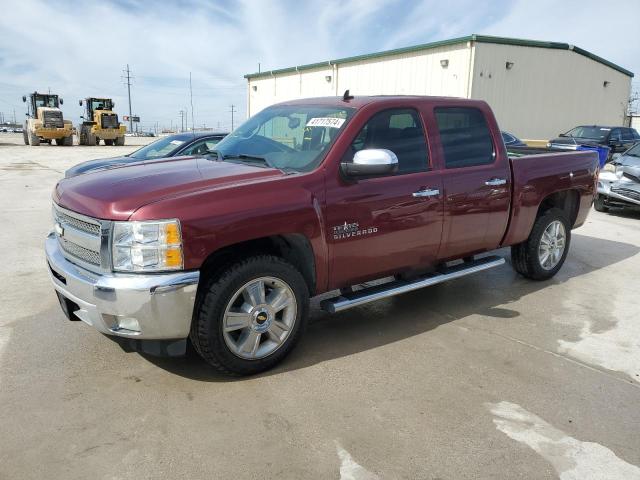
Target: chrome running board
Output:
[(378, 292)]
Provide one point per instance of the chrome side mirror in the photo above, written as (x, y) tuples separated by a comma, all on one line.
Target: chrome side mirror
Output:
[(373, 161)]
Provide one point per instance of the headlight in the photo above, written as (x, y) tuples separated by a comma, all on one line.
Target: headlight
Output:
[(147, 246)]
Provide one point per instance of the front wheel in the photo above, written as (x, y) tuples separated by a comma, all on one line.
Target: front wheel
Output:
[(543, 253), (251, 315)]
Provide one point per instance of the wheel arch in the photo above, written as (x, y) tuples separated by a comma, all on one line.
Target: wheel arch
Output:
[(566, 200), (294, 248)]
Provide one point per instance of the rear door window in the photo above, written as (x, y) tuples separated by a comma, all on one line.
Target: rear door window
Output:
[(465, 137)]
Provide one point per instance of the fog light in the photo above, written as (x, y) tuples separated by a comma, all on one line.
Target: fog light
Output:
[(127, 323)]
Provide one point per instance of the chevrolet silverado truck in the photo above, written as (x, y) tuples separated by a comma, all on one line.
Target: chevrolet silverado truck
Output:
[(223, 252)]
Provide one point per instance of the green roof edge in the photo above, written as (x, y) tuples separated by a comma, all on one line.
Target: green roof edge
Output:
[(444, 43)]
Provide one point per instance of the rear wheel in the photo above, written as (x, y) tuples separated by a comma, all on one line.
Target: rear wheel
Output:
[(251, 315), (598, 204), (25, 136), (34, 140), (543, 253), (108, 142), (120, 141)]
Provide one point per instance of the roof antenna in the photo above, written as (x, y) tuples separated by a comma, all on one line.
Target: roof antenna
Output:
[(346, 97)]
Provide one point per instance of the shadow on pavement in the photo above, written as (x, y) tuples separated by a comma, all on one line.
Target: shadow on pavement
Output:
[(386, 321)]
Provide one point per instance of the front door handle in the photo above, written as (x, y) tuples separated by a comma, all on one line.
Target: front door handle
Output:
[(494, 182), (427, 192)]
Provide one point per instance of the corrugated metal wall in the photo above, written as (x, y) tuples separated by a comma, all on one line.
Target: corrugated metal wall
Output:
[(415, 73), (547, 91)]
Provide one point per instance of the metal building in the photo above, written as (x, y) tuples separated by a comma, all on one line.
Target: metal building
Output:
[(537, 89)]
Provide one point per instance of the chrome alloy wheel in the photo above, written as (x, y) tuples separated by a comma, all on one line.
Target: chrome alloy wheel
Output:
[(552, 245), (259, 318)]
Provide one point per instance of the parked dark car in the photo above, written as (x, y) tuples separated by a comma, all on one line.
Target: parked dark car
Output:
[(510, 140), (617, 139), (192, 143)]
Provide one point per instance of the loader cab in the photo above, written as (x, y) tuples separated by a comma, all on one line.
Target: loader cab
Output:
[(38, 100), (93, 105)]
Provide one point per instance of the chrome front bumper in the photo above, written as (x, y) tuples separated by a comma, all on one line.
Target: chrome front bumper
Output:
[(144, 307), (607, 180)]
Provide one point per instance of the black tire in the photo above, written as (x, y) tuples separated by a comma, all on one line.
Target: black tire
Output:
[(25, 135), (524, 256), (598, 204), (34, 140), (119, 141), (60, 141), (108, 142), (68, 141), (207, 326)]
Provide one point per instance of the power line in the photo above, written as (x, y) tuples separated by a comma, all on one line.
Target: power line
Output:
[(233, 110), (182, 112), (191, 95), (128, 77)]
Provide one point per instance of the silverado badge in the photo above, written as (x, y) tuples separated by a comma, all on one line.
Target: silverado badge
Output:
[(348, 230)]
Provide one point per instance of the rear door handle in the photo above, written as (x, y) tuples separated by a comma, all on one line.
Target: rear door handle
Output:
[(494, 182), (427, 192)]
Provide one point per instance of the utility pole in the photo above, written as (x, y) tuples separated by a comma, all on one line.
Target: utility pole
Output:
[(14, 116), (128, 78), (181, 112), (193, 126), (233, 110)]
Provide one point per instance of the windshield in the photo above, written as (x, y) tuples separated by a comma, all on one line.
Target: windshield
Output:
[(158, 149), (592, 133), (101, 104), (290, 137), (633, 151), (50, 101)]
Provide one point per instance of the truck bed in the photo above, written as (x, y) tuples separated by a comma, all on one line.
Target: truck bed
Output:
[(541, 173)]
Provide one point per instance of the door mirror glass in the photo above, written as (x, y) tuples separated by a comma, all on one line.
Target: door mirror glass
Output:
[(372, 161), (61, 101)]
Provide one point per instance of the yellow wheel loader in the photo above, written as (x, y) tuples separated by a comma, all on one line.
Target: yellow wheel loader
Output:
[(100, 122), (44, 121)]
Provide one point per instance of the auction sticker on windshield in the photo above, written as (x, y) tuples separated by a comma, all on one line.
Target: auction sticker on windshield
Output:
[(325, 122)]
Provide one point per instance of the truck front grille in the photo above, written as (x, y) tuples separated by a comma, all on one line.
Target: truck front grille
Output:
[(109, 120), (92, 228), (76, 251), (52, 119), (80, 237), (626, 192)]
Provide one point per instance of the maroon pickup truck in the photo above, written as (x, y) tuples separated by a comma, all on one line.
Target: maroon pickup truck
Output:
[(306, 197)]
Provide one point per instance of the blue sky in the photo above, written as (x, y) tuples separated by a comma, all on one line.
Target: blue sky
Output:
[(79, 48)]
